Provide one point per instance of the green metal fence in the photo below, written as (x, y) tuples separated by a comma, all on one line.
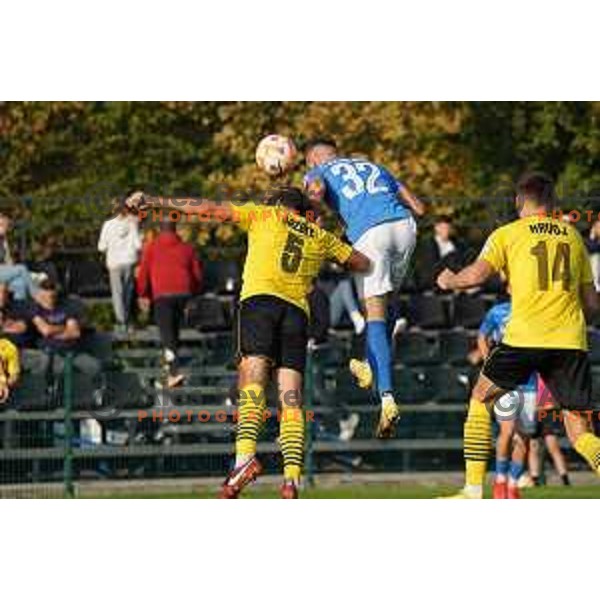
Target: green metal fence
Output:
[(68, 427), (55, 468)]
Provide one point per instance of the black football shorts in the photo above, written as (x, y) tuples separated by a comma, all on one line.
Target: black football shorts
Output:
[(269, 326), (566, 372)]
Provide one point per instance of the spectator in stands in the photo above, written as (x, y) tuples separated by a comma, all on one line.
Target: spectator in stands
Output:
[(338, 286), (17, 277), (59, 323), (169, 275), (148, 237), (14, 315), (5, 253), (9, 368), (443, 238), (44, 263), (593, 246), (318, 326), (343, 298), (120, 240), (440, 251), (339, 412), (16, 325)]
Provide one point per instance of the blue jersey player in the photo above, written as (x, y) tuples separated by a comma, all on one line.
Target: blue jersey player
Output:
[(377, 212), (515, 412)]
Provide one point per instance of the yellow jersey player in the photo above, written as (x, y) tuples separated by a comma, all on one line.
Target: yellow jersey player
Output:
[(285, 252), (549, 272)]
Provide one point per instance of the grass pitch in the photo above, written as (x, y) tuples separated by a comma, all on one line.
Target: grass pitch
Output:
[(358, 491)]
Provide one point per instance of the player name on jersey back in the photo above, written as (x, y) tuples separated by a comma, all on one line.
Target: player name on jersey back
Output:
[(549, 228), (546, 263), (300, 226)]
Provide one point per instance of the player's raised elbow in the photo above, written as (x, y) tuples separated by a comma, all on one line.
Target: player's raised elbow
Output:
[(358, 262)]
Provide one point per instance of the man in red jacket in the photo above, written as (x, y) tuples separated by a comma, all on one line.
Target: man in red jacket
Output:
[(169, 274)]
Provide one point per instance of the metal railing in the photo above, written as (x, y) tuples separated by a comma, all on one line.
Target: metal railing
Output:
[(71, 453)]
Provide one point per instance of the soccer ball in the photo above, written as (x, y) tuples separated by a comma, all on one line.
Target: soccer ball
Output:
[(275, 154)]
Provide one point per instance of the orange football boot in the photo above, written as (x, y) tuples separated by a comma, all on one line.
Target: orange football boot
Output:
[(239, 478), (514, 492), (500, 491), (289, 491)]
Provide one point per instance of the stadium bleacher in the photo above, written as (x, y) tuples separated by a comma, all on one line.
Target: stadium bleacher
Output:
[(146, 431)]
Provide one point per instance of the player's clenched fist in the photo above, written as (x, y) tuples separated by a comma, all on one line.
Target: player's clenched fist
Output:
[(445, 279)]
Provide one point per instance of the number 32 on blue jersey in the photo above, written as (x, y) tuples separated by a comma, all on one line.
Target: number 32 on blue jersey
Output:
[(359, 177)]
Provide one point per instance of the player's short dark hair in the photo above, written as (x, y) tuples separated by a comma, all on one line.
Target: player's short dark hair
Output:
[(321, 141), (288, 197), (538, 187)]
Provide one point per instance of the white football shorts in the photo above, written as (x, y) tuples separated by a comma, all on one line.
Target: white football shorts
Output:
[(390, 247), (522, 404)]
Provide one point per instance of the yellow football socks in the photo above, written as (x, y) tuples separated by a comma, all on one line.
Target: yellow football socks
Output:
[(477, 443), (291, 438), (251, 407)]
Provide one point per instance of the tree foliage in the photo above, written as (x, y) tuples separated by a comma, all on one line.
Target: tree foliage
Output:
[(61, 162)]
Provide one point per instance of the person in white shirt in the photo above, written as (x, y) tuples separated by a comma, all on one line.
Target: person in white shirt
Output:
[(443, 237), (121, 241)]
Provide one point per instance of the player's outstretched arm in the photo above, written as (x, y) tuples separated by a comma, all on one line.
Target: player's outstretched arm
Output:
[(141, 202), (408, 198), (195, 206), (472, 276)]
